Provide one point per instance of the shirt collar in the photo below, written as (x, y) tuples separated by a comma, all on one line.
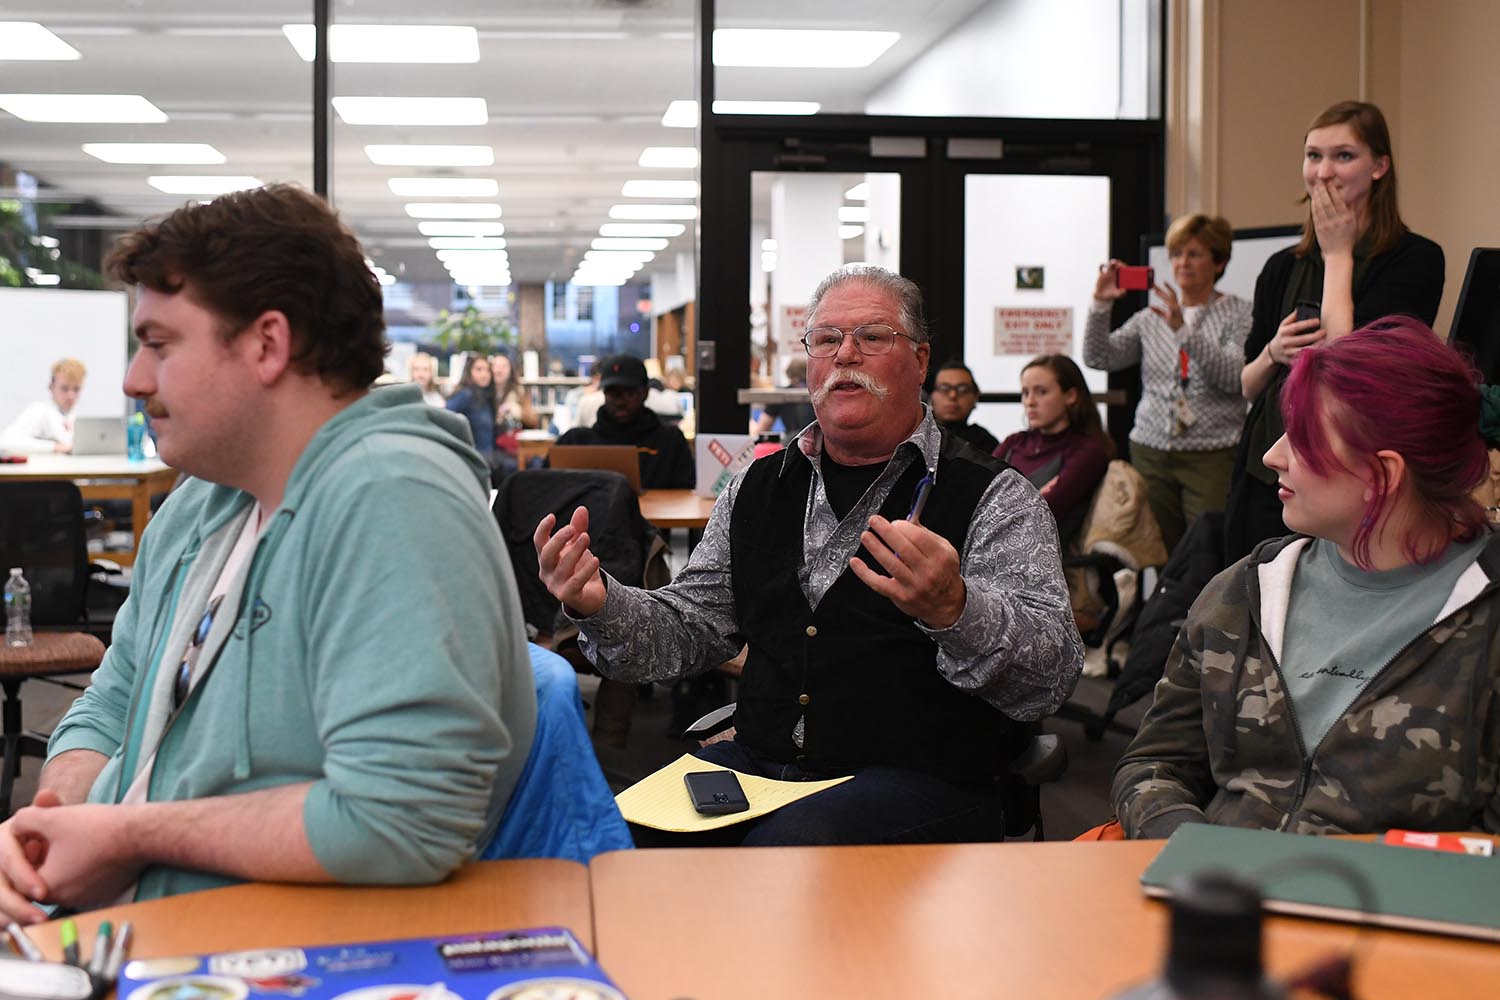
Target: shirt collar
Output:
[(927, 439)]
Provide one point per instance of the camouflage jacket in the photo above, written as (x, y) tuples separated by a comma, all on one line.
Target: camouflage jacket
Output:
[(1417, 749)]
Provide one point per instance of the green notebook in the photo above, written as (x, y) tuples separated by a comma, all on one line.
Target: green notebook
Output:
[(1413, 889)]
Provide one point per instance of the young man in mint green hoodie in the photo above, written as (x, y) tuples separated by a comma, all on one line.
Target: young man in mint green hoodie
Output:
[(320, 674)]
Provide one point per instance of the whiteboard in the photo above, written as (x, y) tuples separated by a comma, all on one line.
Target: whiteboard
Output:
[(39, 326), (1248, 254)]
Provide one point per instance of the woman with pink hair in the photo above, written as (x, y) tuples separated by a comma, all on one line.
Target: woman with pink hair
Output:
[(1344, 679)]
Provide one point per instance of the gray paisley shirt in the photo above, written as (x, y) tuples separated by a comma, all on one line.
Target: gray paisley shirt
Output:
[(1015, 644)]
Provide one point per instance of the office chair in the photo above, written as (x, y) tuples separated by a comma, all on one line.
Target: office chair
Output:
[(42, 531), (1042, 760)]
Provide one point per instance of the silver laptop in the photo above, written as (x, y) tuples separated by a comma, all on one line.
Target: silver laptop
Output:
[(99, 436)]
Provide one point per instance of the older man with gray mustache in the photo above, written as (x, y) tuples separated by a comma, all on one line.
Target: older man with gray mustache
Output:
[(900, 594)]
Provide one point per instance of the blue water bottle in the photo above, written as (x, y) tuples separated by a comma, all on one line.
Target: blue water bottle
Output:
[(135, 436)]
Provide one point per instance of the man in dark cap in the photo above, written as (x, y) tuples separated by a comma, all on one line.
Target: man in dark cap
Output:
[(666, 459)]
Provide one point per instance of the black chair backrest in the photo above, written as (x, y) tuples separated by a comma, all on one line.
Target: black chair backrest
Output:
[(618, 534), (41, 531)]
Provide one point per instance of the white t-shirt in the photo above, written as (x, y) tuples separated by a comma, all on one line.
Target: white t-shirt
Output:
[(38, 429)]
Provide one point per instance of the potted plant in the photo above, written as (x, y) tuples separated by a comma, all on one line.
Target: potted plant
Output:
[(472, 331)]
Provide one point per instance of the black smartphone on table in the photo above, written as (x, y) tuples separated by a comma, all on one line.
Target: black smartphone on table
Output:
[(715, 793)]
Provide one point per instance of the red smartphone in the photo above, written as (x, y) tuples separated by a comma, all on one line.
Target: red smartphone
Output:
[(1134, 279)]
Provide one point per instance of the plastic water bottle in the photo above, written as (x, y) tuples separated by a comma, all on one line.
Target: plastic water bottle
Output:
[(135, 436), (17, 609)]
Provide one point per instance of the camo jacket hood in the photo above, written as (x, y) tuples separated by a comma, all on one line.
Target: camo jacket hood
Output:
[(1417, 749)]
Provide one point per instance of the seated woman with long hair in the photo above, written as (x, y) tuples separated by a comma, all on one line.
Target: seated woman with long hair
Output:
[(1345, 679), (1064, 451)]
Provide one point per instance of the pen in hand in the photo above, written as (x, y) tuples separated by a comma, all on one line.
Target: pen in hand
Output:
[(924, 488)]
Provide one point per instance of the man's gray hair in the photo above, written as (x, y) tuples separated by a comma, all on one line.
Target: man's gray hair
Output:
[(905, 291)]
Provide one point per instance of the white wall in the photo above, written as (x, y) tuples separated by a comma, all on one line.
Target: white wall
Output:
[(673, 286), (1021, 59), (1059, 223), (38, 326)]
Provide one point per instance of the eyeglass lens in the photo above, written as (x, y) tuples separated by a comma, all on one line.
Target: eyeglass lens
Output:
[(825, 341)]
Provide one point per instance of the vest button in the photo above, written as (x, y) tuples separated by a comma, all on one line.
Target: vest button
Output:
[(803, 699), (812, 630)]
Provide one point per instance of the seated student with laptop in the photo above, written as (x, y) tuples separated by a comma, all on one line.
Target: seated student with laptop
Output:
[(1345, 679), (666, 461), (46, 427)]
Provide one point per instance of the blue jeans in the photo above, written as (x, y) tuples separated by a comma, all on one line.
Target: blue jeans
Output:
[(879, 805)]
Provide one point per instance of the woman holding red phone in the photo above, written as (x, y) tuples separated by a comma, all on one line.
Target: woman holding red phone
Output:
[(1190, 346), (1356, 261)]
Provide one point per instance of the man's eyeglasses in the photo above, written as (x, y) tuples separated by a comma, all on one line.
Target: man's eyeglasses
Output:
[(872, 338), (183, 684), (950, 389)]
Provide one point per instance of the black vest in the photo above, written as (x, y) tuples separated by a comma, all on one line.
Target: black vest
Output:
[(858, 669)]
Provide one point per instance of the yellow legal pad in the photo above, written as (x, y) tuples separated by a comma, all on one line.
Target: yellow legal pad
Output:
[(661, 800)]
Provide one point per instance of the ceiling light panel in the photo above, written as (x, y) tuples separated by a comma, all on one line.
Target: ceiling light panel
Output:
[(612, 243), (155, 152), (28, 40), (850, 232), (669, 157), (854, 213), (859, 192), (82, 108), (452, 210), (684, 212), (214, 184), (684, 114), (430, 156), (667, 229), (660, 189), (461, 228), (609, 256), (412, 110), (389, 43), (466, 243), (799, 48), (444, 187)]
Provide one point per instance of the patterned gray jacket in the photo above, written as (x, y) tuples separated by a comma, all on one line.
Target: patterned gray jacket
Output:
[(1418, 748)]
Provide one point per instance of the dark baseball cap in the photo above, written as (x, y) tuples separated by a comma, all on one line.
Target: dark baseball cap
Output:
[(623, 370)]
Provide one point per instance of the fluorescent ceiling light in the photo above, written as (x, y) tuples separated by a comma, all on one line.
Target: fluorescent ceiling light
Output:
[(766, 107), (667, 229), (620, 263), (389, 43), (669, 157), (859, 192), (452, 210), (30, 41), (687, 212), (611, 243), (431, 156), (466, 243), (461, 228), (800, 48), (82, 108), (385, 278), (684, 114), (854, 213), (849, 232), (444, 187), (681, 114), (154, 152), (613, 256), (203, 183), (412, 110), (768, 245), (473, 256), (660, 189), (768, 261)]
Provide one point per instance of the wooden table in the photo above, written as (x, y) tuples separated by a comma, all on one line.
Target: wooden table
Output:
[(1053, 920), (103, 477), (483, 896), (532, 444), (675, 508)]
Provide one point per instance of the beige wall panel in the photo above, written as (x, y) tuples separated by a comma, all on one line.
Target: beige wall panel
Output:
[(1281, 62), (1450, 135)]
